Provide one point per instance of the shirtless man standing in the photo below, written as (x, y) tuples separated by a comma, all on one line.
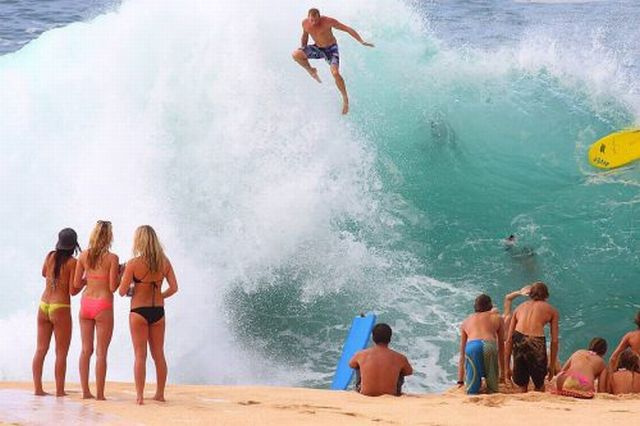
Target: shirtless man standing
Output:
[(325, 47), (527, 342), (481, 348), (381, 370)]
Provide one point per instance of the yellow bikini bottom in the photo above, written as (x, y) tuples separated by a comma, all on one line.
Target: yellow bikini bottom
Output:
[(49, 308)]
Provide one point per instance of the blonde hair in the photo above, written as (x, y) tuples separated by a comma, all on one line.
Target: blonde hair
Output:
[(99, 243), (147, 246)]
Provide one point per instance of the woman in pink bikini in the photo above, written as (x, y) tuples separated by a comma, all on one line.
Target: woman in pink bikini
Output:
[(142, 281), (99, 267), (580, 372), (54, 312)]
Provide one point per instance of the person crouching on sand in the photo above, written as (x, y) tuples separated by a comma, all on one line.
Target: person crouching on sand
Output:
[(578, 375), (527, 342), (380, 370), (630, 340), (142, 281), (626, 379), (54, 312), (481, 348), (99, 267)]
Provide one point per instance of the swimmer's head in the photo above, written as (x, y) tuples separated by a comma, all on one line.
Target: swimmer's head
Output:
[(314, 16), (482, 303), (510, 240)]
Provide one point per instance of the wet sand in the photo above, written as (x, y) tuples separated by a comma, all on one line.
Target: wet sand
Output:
[(252, 405)]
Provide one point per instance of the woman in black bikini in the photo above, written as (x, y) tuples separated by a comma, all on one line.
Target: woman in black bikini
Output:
[(142, 281)]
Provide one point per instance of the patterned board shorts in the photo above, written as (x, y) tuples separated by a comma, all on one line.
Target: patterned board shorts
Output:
[(329, 53)]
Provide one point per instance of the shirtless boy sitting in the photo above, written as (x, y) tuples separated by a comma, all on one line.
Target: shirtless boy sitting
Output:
[(381, 370), (481, 348)]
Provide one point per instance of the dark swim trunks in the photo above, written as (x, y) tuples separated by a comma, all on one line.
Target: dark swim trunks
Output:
[(329, 53), (529, 359)]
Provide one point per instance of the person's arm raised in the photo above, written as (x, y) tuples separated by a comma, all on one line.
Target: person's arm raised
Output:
[(353, 33)]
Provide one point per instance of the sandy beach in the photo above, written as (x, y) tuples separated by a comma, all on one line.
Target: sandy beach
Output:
[(250, 405)]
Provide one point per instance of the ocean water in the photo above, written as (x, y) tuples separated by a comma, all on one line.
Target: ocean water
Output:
[(470, 121)]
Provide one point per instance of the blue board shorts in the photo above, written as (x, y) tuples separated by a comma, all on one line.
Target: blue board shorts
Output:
[(481, 360), (329, 53)]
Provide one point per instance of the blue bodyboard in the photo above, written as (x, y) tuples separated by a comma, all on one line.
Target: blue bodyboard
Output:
[(357, 340)]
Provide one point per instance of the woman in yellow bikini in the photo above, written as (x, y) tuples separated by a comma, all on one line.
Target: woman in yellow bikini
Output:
[(142, 281), (54, 312), (100, 269)]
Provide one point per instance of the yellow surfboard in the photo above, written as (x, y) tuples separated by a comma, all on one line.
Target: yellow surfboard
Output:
[(616, 149)]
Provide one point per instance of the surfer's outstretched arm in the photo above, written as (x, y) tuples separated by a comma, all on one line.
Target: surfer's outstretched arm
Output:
[(353, 33)]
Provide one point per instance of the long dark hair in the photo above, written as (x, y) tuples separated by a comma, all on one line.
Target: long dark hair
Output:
[(59, 258)]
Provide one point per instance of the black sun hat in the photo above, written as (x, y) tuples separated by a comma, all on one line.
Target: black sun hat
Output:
[(67, 240)]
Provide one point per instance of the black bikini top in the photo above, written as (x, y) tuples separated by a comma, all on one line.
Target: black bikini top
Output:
[(155, 284)]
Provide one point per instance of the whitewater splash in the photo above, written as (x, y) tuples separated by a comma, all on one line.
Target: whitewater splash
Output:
[(282, 218)]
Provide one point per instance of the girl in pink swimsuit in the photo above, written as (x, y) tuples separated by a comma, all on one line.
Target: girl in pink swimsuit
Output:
[(100, 269)]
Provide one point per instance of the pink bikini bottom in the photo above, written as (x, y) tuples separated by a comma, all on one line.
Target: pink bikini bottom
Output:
[(90, 307)]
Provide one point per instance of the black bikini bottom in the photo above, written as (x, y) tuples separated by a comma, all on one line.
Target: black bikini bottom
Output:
[(150, 313)]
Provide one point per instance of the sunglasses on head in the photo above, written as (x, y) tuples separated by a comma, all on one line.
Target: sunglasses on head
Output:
[(103, 222)]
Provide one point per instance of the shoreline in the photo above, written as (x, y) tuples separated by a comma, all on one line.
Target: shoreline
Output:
[(245, 405)]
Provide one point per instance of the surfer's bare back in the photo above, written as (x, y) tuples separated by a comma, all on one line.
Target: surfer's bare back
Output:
[(325, 47)]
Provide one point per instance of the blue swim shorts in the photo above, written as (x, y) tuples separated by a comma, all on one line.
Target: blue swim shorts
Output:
[(329, 53)]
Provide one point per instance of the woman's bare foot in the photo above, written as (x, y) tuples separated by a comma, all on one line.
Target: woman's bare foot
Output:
[(87, 396), (140, 400), (345, 106), (159, 398), (100, 398), (63, 393), (41, 392), (313, 72)]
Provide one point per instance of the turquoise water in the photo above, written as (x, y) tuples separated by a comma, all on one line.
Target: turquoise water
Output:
[(470, 121)]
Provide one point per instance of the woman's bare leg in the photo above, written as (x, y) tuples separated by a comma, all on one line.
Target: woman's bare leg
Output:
[(139, 337), (104, 331), (61, 320), (87, 327), (156, 344), (45, 329)]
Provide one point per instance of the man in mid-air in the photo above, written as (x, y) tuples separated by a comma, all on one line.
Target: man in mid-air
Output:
[(325, 47)]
